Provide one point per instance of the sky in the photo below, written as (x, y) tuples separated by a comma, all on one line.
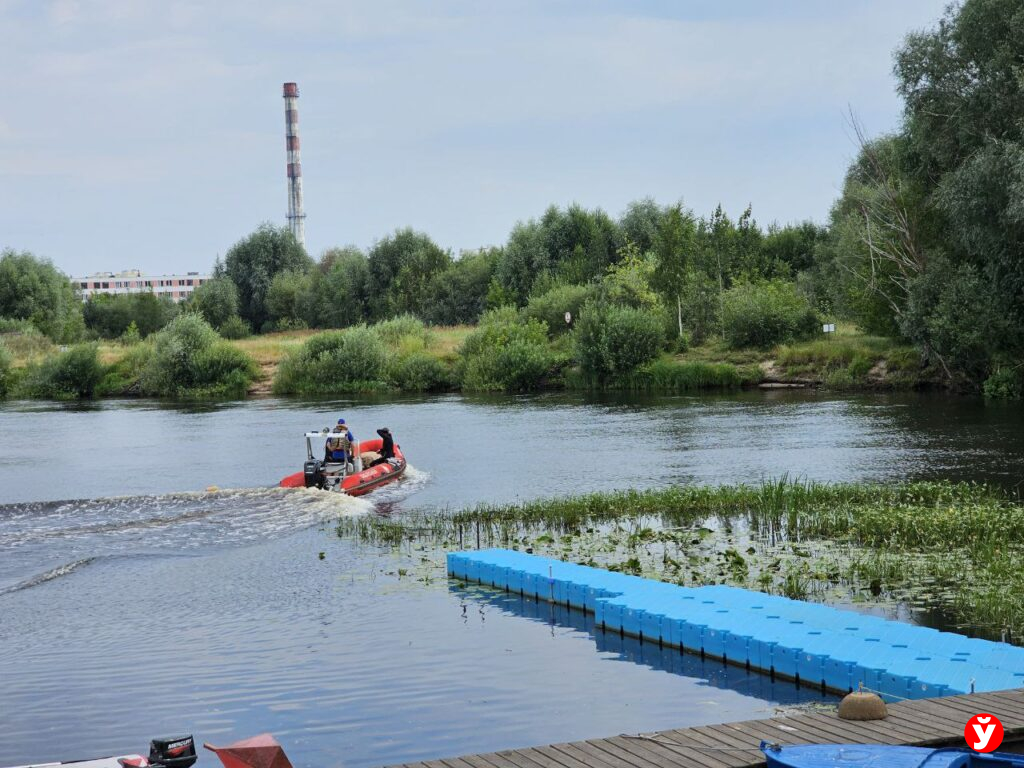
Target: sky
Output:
[(137, 134)]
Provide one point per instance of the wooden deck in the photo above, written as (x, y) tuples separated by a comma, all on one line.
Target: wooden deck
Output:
[(925, 722)]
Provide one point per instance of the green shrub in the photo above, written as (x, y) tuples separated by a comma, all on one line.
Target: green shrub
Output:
[(6, 376), (613, 341), (353, 360), (70, 375), (550, 307), (17, 325), (506, 353), (1005, 383), (190, 360), (394, 330), (420, 372), (131, 335), (122, 378), (235, 328), (763, 314)]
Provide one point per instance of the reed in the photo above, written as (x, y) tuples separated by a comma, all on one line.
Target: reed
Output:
[(939, 545)]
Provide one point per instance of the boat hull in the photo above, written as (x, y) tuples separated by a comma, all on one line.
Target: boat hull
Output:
[(359, 483), (883, 756)]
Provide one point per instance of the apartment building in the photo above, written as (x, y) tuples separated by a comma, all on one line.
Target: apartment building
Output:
[(178, 287)]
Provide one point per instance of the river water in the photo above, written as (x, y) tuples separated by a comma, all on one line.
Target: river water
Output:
[(135, 603)]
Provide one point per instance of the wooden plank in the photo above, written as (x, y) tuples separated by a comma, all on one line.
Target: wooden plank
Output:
[(504, 759), (710, 736), (597, 755), (624, 758), (459, 762), (518, 758), (931, 726), (857, 731), (643, 754), (587, 757), (559, 757), (539, 758), (672, 752), (1007, 703), (695, 746)]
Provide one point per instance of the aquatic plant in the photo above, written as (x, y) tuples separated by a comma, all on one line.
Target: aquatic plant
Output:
[(941, 546)]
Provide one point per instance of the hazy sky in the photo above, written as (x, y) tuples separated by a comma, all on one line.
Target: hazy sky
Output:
[(151, 134)]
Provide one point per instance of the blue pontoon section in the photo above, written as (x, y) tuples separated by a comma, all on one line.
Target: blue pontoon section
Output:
[(812, 643)]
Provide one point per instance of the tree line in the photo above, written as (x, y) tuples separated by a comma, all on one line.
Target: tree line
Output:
[(924, 245)]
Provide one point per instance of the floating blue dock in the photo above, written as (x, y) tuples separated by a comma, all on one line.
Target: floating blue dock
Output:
[(813, 644)]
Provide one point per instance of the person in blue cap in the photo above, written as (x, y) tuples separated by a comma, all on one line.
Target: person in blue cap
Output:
[(341, 444)]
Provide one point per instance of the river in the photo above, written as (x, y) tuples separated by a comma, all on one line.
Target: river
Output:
[(135, 603)]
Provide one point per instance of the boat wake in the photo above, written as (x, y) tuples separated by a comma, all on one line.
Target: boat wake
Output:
[(68, 535), (50, 575)]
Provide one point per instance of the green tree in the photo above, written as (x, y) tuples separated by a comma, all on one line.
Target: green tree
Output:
[(673, 244), (216, 300), (285, 298), (459, 293), (337, 297), (110, 315), (401, 267), (252, 263), (642, 222), (33, 289)]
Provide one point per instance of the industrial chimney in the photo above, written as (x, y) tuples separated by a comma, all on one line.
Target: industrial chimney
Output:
[(296, 217)]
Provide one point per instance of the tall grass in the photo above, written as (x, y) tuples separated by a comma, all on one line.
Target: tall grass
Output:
[(6, 374), (955, 546), (668, 375)]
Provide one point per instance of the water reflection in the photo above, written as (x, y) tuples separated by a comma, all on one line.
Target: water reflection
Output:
[(616, 647)]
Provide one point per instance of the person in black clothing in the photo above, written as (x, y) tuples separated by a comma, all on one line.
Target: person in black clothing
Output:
[(387, 450)]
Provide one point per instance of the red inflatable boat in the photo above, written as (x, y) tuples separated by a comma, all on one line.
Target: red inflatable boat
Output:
[(344, 478)]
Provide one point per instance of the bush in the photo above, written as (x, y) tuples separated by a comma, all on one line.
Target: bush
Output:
[(353, 360), (550, 307), (506, 353), (190, 360), (394, 330), (131, 335), (6, 377), (613, 341), (420, 372), (122, 378), (69, 375), (1005, 383), (235, 328), (760, 315), (216, 300)]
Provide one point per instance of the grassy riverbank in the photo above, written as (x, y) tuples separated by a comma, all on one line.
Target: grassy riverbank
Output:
[(952, 549), (418, 358)]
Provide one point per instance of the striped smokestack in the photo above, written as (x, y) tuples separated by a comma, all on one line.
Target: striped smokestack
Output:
[(296, 216)]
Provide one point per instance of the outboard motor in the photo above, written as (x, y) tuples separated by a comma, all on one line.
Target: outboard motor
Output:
[(313, 474), (179, 752)]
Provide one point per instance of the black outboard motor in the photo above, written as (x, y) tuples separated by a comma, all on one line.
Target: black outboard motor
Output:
[(313, 474), (179, 752)]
